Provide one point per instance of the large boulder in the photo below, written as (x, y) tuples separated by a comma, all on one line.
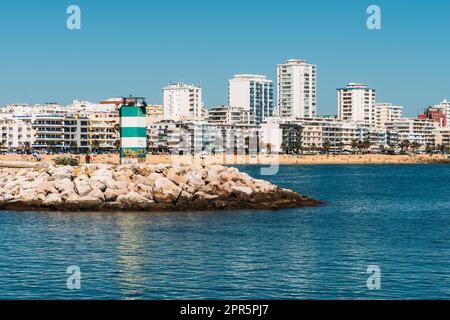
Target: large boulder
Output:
[(83, 203), (176, 177), (61, 173), (82, 186), (133, 200), (112, 194), (53, 200), (165, 190), (47, 187)]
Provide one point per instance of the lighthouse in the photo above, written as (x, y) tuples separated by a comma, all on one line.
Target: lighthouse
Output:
[(133, 130)]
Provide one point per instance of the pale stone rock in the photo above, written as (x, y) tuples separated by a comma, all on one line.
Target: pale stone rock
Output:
[(62, 173), (96, 193), (175, 176), (112, 194), (85, 202), (46, 187), (133, 200), (246, 190), (82, 186), (53, 200)]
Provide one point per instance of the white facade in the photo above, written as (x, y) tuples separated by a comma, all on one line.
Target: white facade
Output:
[(271, 134), (387, 112), (254, 93), (182, 102), (422, 131), (356, 103), (296, 89), (229, 115)]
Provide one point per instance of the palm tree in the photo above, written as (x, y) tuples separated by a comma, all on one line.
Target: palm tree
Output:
[(415, 146), (283, 147), (429, 149), (298, 147), (326, 146), (355, 144), (366, 144), (405, 144), (341, 146), (442, 148)]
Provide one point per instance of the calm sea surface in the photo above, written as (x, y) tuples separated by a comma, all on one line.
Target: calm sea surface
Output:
[(396, 217)]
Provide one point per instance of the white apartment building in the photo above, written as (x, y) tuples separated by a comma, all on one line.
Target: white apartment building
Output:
[(182, 102), (16, 133), (30, 110), (387, 112), (270, 133), (230, 115), (103, 130), (49, 132), (443, 136), (254, 93), (422, 131), (356, 103), (296, 89), (76, 136)]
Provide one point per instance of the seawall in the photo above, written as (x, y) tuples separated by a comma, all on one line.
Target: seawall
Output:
[(145, 187)]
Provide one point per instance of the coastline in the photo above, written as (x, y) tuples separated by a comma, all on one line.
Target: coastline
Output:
[(113, 159)]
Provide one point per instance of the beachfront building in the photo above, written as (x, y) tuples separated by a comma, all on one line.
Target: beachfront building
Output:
[(439, 113), (201, 137), (443, 137), (230, 115), (182, 102), (271, 136), (239, 139), (253, 93), (312, 134), (16, 132), (387, 112), (154, 113), (49, 132), (163, 136), (296, 89), (103, 131), (445, 105), (356, 103), (30, 110), (421, 131), (76, 133)]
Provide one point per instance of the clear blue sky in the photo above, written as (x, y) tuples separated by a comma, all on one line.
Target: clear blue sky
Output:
[(138, 46)]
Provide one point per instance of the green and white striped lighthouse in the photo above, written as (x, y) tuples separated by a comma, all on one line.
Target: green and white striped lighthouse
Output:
[(133, 130)]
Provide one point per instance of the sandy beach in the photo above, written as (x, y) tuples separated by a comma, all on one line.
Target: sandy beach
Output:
[(262, 159)]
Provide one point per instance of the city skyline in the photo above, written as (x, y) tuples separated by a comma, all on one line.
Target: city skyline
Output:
[(47, 62)]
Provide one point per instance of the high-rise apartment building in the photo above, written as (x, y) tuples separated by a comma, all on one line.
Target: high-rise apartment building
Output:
[(386, 112), (254, 93), (182, 102), (296, 89), (356, 102)]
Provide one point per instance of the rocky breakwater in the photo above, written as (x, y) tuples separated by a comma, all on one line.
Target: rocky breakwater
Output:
[(140, 187)]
